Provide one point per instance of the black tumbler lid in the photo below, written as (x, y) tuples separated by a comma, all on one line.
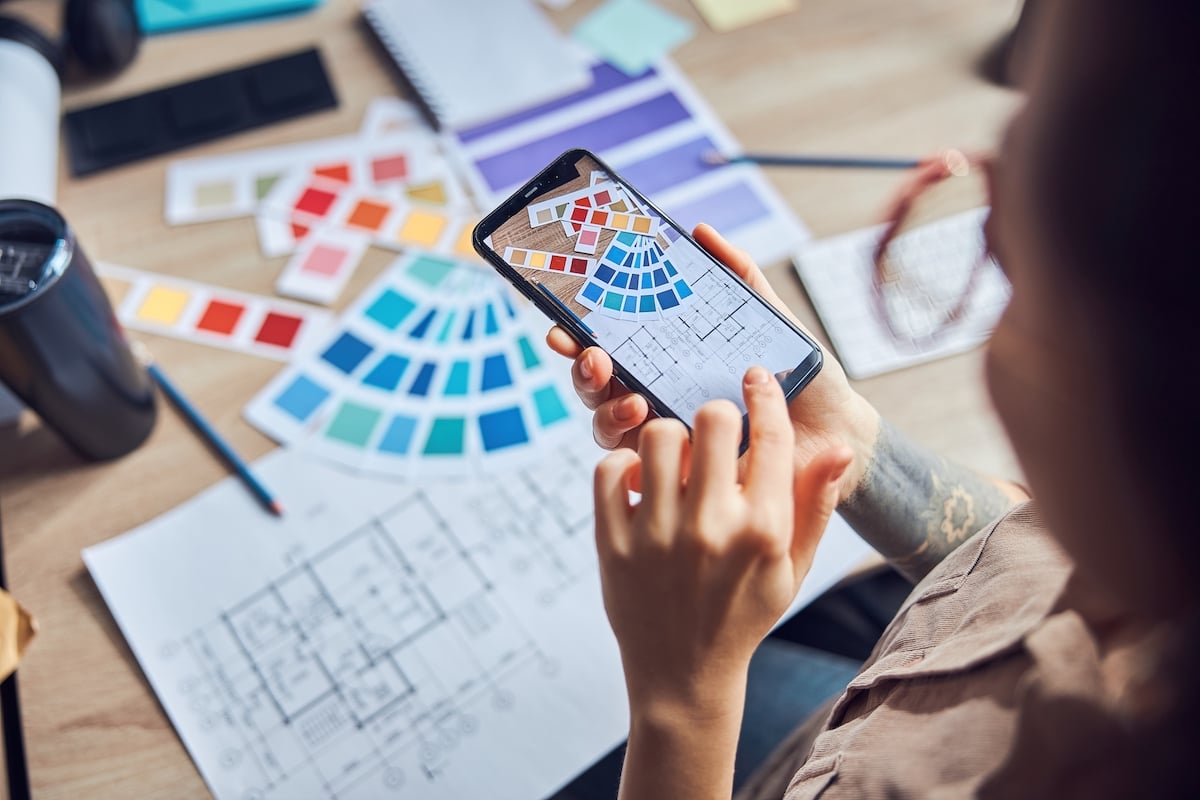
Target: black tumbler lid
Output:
[(35, 247), (19, 31)]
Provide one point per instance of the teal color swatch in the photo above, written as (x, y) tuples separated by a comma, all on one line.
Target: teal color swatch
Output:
[(353, 424), (445, 437), (430, 271), (549, 405), (390, 309)]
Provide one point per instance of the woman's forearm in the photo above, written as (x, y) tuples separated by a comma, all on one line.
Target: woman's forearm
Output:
[(915, 507), (678, 753)]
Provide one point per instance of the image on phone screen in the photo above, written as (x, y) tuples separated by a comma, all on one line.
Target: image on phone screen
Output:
[(678, 322)]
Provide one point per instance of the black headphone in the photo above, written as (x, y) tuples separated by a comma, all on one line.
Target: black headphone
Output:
[(99, 37)]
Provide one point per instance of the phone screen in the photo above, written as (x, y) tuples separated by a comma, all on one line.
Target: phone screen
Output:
[(677, 321)]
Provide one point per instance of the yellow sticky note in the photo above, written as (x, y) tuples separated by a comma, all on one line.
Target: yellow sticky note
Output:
[(163, 305), (422, 227), (728, 15)]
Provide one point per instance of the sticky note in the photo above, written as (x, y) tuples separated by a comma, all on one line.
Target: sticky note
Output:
[(632, 34), (728, 15)]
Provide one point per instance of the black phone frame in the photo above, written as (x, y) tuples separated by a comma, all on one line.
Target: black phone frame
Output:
[(564, 170)]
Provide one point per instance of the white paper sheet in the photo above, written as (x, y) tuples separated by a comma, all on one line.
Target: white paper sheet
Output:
[(384, 640), (837, 275)]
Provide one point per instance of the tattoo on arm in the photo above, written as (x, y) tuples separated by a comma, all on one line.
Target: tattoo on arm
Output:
[(915, 507)]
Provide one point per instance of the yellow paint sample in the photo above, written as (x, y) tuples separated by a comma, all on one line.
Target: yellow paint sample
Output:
[(537, 260), (434, 193), (641, 224), (620, 221), (422, 227), (464, 246), (209, 195), (163, 305)]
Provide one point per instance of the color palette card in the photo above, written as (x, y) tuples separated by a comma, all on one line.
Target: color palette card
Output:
[(652, 128), (301, 203), (321, 265), (436, 369), (635, 280), (220, 187), (197, 312)]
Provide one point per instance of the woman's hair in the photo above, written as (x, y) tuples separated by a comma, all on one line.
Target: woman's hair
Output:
[(1120, 197), (1120, 201)]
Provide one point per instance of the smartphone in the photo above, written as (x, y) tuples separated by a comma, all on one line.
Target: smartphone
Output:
[(612, 270)]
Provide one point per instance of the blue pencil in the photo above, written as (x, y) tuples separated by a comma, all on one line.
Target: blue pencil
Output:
[(851, 162), (214, 439)]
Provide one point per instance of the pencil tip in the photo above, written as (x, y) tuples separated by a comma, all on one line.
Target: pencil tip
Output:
[(713, 157), (276, 508)]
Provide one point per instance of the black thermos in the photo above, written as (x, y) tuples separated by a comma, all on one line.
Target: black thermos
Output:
[(62, 350)]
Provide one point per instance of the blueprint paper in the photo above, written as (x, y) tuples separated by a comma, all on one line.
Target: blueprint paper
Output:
[(385, 640)]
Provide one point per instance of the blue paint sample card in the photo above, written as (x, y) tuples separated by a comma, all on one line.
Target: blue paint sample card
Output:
[(436, 369)]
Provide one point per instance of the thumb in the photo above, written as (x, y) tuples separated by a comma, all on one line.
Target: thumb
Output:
[(815, 495)]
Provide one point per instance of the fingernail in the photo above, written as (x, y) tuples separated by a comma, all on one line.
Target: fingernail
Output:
[(756, 376), (585, 368), (626, 410)]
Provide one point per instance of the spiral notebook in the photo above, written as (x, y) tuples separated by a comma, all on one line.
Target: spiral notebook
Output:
[(471, 61)]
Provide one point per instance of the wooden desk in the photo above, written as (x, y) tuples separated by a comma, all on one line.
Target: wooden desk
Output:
[(870, 76)]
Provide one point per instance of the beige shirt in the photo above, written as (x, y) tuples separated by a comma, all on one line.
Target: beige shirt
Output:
[(937, 708)]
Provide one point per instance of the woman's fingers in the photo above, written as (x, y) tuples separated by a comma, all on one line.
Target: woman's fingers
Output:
[(661, 450), (592, 374), (617, 417), (716, 434), (611, 490), (815, 496), (561, 342), (770, 459)]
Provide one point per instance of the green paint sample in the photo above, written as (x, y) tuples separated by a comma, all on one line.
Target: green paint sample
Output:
[(353, 424)]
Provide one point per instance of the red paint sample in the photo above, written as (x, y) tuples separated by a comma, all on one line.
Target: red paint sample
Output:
[(336, 172), (220, 317), (579, 214), (389, 169), (558, 263), (579, 266), (278, 329), (315, 201), (603, 198), (299, 231)]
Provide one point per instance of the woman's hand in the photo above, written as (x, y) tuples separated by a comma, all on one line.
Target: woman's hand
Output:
[(826, 412), (697, 572)]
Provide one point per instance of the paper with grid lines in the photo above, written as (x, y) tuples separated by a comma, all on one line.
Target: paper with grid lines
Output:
[(837, 274)]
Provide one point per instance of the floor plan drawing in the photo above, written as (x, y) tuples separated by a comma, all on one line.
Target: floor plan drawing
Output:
[(384, 661), (415, 641)]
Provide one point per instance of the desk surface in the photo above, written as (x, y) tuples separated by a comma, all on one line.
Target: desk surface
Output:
[(869, 76)]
